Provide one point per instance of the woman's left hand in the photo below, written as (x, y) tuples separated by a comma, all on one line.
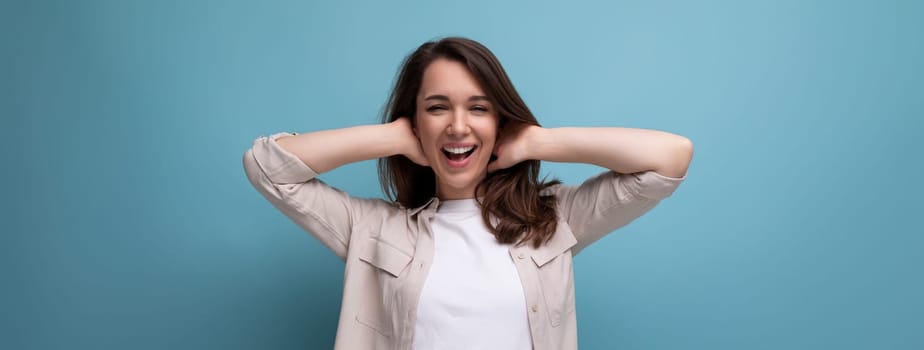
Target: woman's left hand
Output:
[(513, 145)]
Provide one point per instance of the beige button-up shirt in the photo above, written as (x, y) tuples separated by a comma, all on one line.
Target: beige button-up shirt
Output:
[(388, 248)]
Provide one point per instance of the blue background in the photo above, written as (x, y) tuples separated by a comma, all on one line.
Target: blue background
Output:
[(128, 222)]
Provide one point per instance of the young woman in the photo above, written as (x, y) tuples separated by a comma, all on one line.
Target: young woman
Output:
[(473, 251)]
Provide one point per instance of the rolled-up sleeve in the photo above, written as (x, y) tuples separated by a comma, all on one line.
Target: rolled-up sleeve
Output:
[(279, 166), (609, 201), (291, 186)]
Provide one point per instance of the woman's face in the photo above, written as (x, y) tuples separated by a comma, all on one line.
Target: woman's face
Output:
[(457, 128)]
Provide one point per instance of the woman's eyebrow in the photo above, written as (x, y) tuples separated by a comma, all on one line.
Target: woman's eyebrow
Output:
[(436, 97), (443, 97)]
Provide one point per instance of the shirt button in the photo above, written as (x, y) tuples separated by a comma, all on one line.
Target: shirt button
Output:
[(521, 256), (535, 308), (420, 266)]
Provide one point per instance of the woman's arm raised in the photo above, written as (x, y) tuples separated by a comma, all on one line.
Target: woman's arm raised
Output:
[(646, 166), (623, 150), (282, 165), (325, 150)]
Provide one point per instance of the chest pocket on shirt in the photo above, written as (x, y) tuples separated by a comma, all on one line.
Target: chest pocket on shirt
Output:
[(385, 256), (556, 274), (557, 281), (379, 308)]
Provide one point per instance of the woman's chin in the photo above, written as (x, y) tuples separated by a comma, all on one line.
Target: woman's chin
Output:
[(459, 185)]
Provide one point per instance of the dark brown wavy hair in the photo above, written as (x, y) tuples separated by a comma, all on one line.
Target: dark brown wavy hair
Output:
[(511, 195)]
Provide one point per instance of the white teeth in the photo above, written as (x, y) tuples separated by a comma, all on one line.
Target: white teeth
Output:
[(458, 150)]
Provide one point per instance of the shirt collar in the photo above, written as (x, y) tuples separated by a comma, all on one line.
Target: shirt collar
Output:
[(561, 241), (430, 205)]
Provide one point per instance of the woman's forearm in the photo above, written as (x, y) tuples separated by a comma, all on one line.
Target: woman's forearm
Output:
[(623, 150), (329, 149)]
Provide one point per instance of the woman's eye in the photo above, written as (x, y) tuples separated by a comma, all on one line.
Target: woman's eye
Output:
[(435, 108), (480, 109)]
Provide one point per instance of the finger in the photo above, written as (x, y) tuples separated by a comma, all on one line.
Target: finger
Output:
[(492, 167), (420, 160)]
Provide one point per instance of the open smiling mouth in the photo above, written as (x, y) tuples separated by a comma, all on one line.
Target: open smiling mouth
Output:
[(458, 154)]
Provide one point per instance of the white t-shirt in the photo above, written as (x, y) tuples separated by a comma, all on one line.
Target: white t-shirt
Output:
[(472, 297)]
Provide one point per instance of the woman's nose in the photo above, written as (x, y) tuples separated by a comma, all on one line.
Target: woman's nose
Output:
[(459, 125)]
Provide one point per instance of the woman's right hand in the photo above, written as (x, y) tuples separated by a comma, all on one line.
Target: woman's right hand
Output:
[(407, 141)]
